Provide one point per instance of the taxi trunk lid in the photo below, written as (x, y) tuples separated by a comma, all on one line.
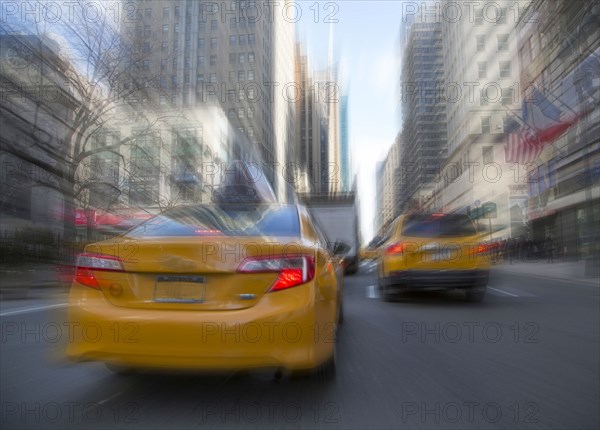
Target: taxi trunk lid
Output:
[(195, 273)]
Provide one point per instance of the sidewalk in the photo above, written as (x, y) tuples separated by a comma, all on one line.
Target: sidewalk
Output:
[(573, 271)]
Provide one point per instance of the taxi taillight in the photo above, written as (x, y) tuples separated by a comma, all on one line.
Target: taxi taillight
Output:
[(88, 263), (482, 248), (395, 249), (292, 271)]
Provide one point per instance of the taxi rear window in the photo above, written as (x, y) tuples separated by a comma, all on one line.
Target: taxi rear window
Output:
[(438, 226), (210, 220)]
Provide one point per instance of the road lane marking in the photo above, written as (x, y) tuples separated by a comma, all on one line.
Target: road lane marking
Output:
[(503, 292), (372, 292), (108, 399), (34, 309)]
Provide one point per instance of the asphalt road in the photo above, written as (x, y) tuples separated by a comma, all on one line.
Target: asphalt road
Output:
[(526, 358)]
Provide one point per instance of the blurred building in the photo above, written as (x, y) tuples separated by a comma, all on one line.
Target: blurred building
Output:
[(36, 111), (236, 54), (378, 227), (480, 72), (559, 56), (345, 153), (391, 184), (423, 108), (319, 128)]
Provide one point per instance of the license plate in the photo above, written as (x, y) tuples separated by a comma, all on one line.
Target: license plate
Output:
[(179, 289), (441, 255)]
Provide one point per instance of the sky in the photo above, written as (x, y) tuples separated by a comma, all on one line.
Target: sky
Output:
[(366, 42)]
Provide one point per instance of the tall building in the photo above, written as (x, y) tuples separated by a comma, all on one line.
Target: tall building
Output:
[(481, 71), (559, 55), (36, 113), (206, 53), (390, 184), (318, 136), (424, 134), (345, 155), (378, 228)]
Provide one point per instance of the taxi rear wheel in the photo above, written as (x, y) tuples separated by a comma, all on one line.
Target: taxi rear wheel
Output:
[(475, 294), (386, 293), (327, 371), (120, 370)]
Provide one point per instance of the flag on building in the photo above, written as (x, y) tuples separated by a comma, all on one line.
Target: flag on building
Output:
[(541, 122), (522, 146)]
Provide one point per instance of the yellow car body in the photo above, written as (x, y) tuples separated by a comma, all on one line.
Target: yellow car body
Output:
[(418, 254), (207, 301)]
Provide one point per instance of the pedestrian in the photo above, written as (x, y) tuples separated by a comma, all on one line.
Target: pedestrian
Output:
[(550, 248)]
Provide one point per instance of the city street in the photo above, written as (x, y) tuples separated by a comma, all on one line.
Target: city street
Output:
[(525, 358)]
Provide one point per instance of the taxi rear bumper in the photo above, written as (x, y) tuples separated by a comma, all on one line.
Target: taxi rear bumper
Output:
[(436, 279)]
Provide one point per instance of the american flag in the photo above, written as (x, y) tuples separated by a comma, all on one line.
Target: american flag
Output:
[(522, 144)]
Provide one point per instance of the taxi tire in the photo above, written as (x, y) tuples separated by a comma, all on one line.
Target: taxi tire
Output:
[(385, 292), (326, 372), (475, 294), (120, 370)]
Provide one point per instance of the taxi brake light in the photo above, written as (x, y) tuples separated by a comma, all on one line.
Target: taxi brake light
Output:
[(88, 263), (397, 248), (293, 271)]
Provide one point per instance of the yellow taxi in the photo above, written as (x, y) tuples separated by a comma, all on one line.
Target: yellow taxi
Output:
[(210, 287), (433, 251)]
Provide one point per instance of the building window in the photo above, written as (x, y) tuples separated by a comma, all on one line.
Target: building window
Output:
[(232, 40), (213, 60), (232, 23), (200, 78), (478, 16), (242, 38), (176, 28), (507, 96), (480, 39), (241, 76), (165, 12), (213, 43), (250, 75), (213, 78), (250, 132), (214, 24), (250, 113), (165, 46), (232, 76), (504, 69), (163, 65), (240, 113), (251, 39), (165, 29), (486, 124), (231, 113), (201, 43), (487, 154), (200, 60), (146, 65), (482, 69), (502, 42), (177, 11), (232, 58), (250, 57), (201, 26), (241, 58), (502, 18)]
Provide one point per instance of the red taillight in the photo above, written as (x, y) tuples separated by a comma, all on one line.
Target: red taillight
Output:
[(293, 271), (397, 248), (482, 248), (87, 263)]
